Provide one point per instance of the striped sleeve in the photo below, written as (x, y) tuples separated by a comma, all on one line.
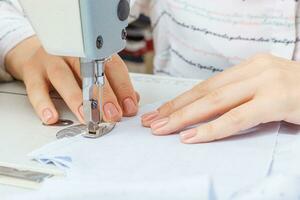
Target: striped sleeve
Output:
[(14, 28)]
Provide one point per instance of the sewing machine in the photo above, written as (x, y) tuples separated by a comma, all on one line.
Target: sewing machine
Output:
[(92, 30)]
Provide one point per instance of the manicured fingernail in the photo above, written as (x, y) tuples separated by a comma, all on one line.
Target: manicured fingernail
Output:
[(129, 106), (186, 135), (81, 113), (111, 111), (159, 124), (47, 115), (150, 116)]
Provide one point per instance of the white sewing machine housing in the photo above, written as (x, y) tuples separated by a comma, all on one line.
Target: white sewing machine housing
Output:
[(93, 29)]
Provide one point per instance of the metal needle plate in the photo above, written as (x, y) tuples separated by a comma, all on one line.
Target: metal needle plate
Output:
[(81, 129), (71, 131), (61, 122)]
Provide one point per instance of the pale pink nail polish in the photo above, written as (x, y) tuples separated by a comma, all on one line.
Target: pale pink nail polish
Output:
[(159, 124), (111, 111), (47, 115), (185, 135), (150, 116)]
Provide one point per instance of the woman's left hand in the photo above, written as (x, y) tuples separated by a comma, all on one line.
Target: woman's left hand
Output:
[(262, 89)]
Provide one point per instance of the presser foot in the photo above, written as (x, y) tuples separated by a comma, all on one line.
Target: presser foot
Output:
[(99, 130)]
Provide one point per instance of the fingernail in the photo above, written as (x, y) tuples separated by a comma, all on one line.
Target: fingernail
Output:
[(81, 113), (159, 124), (150, 116), (111, 111), (47, 115), (129, 106), (186, 135)]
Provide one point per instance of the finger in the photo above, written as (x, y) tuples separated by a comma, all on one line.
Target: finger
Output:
[(239, 119), (38, 94), (170, 107), (112, 109), (232, 75), (118, 77), (63, 80), (210, 106), (74, 64)]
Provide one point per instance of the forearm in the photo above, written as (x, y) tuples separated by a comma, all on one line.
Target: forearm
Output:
[(14, 28)]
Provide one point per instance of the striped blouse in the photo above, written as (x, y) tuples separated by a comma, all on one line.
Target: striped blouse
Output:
[(196, 38)]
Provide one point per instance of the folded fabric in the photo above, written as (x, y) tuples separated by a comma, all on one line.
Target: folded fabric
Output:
[(61, 162)]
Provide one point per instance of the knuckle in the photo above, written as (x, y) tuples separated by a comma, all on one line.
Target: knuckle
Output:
[(200, 90), (234, 118), (33, 87), (178, 115), (276, 74), (55, 70), (30, 66), (209, 129), (215, 97), (168, 107), (113, 66), (74, 98), (32, 71), (125, 88)]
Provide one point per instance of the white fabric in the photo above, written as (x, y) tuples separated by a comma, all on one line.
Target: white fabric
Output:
[(197, 38), (276, 187), (92, 189), (132, 155)]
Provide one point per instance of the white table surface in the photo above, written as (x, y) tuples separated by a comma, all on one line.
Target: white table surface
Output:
[(22, 132)]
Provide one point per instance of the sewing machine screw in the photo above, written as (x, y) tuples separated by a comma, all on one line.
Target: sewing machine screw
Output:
[(61, 122), (94, 104), (123, 10), (124, 34), (99, 42)]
